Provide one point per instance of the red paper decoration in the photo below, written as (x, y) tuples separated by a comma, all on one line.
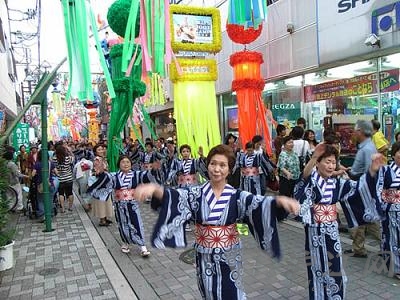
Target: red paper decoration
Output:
[(241, 35)]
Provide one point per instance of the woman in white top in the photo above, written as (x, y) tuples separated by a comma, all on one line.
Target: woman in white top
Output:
[(300, 146)]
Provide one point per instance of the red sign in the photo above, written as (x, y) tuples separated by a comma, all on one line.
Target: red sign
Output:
[(356, 86)]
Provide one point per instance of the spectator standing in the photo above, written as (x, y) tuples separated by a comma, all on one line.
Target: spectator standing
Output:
[(300, 146), (309, 136), (379, 140), (366, 149), (64, 166), (278, 141)]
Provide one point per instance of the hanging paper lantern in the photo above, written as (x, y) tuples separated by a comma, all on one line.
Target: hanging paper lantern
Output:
[(248, 85), (241, 35)]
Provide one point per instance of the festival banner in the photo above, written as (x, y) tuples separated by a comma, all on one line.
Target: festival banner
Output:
[(356, 86)]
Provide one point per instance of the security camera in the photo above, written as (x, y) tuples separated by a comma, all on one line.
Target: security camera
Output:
[(290, 27), (373, 40)]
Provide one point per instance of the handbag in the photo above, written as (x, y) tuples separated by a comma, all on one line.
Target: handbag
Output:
[(273, 182), (303, 158)]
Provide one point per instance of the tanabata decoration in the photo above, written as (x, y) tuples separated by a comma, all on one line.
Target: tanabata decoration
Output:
[(195, 104), (245, 26), (78, 16)]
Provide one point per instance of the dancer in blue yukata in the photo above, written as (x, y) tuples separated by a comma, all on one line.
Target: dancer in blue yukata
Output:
[(250, 164), (388, 193), (215, 207), (127, 213), (318, 193)]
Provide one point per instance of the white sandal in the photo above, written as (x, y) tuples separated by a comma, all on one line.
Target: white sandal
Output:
[(125, 249), (145, 253)]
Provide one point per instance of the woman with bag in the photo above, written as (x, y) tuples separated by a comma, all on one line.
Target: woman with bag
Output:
[(38, 185), (64, 165), (300, 146), (288, 168)]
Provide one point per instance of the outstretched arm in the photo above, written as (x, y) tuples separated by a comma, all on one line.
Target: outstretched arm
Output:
[(149, 190)]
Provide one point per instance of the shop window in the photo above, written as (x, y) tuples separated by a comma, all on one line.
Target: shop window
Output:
[(390, 96), (284, 98)]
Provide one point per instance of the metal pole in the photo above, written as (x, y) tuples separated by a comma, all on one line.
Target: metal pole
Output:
[(45, 167)]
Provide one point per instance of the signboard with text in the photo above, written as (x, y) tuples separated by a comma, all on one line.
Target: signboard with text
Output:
[(21, 136), (344, 25), (356, 86)]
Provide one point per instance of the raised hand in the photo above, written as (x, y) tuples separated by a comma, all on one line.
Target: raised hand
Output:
[(378, 161), (319, 150), (200, 152)]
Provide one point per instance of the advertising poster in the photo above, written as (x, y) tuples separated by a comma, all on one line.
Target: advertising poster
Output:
[(192, 29)]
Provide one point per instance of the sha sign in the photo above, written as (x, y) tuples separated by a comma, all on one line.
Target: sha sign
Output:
[(346, 5)]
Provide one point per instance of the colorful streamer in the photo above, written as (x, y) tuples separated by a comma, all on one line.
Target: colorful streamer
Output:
[(196, 125)]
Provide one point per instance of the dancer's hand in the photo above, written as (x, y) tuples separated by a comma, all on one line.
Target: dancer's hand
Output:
[(200, 152), (149, 190), (288, 204), (378, 160)]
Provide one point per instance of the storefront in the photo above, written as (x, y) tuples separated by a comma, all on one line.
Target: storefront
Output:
[(336, 67)]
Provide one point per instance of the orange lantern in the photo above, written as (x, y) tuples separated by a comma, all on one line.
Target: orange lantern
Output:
[(248, 85)]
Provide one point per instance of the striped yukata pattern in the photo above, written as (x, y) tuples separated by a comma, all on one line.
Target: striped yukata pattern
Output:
[(217, 206), (326, 186)]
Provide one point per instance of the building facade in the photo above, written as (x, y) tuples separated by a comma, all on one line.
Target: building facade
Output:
[(332, 62), (8, 96)]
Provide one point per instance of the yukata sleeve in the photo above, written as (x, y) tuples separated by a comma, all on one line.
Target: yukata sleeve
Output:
[(259, 213), (358, 200), (102, 187), (266, 164), (174, 211), (201, 167)]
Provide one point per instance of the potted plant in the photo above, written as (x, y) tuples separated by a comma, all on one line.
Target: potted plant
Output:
[(6, 234)]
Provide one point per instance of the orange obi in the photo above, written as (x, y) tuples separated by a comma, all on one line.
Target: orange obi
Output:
[(253, 171), (187, 179), (391, 196), (210, 236), (148, 166), (324, 213), (124, 194)]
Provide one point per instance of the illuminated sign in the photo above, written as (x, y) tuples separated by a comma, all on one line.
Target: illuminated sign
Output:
[(356, 86)]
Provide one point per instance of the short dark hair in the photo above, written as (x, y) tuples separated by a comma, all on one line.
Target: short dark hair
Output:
[(257, 139), (222, 150), (249, 145), (396, 135), (395, 148), (376, 125), (286, 139), (280, 128), (297, 132), (329, 151), (184, 146), (149, 144), (123, 157), (302, 121)]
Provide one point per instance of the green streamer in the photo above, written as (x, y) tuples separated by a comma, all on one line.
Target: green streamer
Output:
[(149, 122), (130, 35), (101, 57)]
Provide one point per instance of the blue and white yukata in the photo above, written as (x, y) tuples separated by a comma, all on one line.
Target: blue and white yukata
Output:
[(388, 193), (185, 171), (127, 213), (318, 198), (250, 179), (218, 248)]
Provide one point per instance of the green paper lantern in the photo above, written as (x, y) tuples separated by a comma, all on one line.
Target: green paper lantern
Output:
[(117, 17)]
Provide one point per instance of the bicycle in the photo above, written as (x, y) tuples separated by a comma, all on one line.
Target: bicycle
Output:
[(12, 198)]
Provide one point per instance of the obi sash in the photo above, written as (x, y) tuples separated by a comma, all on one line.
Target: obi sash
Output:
[(324, 213), (189, 179), (391, 196), (250, 171), (210, 236), (124, 194)]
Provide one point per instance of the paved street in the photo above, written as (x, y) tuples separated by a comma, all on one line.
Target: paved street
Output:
[(74, 262), (167, 277)]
